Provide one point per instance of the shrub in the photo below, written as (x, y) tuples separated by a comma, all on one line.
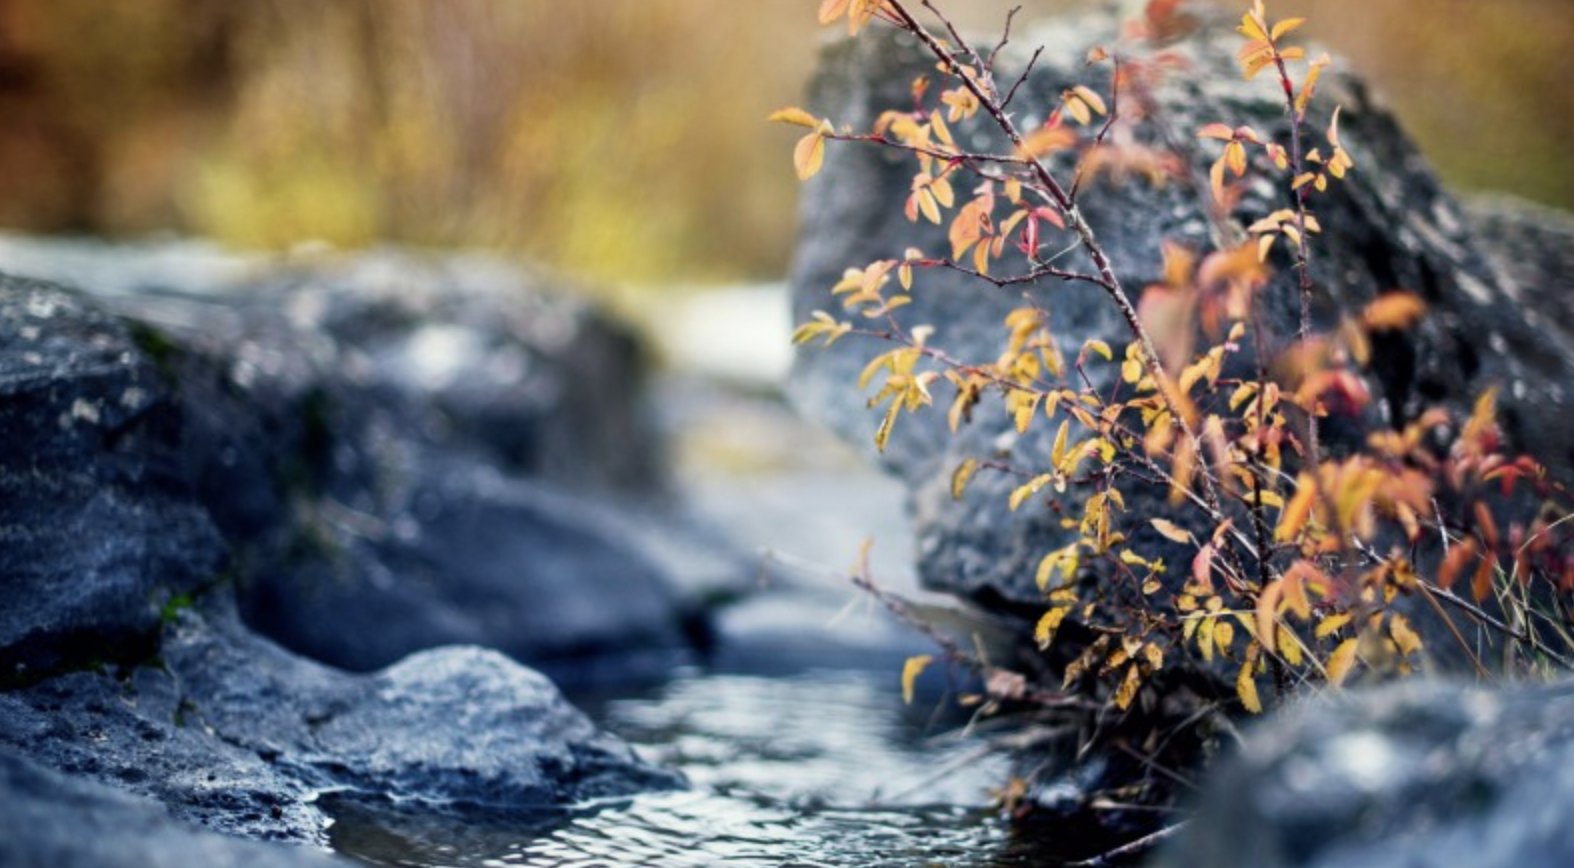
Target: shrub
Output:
[(1305, 562)]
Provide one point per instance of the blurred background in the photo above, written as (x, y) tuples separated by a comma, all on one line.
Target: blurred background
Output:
[(624, 141)]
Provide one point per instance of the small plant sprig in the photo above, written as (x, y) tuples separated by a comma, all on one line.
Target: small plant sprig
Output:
[(1301, 566)]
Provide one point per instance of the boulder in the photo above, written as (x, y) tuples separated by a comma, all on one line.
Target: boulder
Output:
[(1418, 775), (51, 819), (1390, 225), (408, 451)]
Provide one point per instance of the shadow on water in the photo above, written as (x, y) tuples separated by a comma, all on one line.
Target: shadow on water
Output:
[(826, 768)]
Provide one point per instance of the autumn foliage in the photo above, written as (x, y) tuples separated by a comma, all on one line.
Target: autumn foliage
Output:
[(1302, 568)]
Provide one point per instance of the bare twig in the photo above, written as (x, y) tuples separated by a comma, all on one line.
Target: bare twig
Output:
[(1135, 848)]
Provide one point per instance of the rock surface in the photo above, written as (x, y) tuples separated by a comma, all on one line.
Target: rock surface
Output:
[(62, 822), (1417, 776), (1390, 226), (97, 528), (409, 451), (235, 734), (240, 737)]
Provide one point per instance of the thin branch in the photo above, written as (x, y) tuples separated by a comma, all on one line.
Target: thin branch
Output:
[(1022, 79), (1005, 38), (1079, 224), (1119, 855)]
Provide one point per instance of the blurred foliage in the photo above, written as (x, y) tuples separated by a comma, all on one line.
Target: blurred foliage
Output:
[(624, 143)]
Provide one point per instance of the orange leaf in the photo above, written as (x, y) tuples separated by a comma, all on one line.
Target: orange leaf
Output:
[(1393, 311), (1455, 562), (1481, 582), (1298, 510), (1171, 531), (809, 155)]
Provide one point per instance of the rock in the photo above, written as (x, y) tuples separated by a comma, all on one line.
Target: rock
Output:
[(97, 529), (1419, 775), (54, 820), (150, 470), (361, 429), (238, 735), (1391, 225)]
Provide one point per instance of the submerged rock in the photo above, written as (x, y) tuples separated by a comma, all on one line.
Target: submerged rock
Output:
[(1391, 225), (1423, 775)]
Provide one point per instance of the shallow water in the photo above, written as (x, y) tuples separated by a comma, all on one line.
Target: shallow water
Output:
[(825, 768)]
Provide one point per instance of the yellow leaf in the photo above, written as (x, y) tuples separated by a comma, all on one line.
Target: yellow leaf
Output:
[(1171, 531), (1024, 492), (1205, 638), (1063, 559), (1404, 636), (1223, 637), (809, 155), (1286, 26), (1099, 347), (1089, 96), (1154, 655), (1265, 246), (1128, 688), (794, 115), (1289, 646), (929, 205), (914, 667), (1044, 631), (882, 434), (1332, 624), (961, 476), (1251, 28), (1246, 688), (1341, 661), (1058, 453)]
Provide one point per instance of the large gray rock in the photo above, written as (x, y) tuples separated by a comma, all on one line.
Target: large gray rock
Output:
[(1390, 226), (58, 821), (1416, 776), (404, 452)]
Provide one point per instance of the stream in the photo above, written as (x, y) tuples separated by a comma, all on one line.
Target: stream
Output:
[(795, 739), (824, 768)]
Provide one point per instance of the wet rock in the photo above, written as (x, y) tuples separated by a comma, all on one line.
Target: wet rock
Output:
[(1390, 226), (1418, 775), (237, 735), (54, 820), (97, 529)]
